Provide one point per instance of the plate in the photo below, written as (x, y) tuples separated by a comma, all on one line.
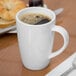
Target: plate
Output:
[(64, 66)]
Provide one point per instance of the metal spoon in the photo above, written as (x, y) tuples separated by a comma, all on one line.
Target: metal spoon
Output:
[(58, 11)]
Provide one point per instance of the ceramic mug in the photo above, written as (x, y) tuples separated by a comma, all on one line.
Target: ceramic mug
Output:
[(36, 41)]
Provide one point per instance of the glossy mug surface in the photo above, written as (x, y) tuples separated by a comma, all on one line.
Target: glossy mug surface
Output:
[(36, 41)]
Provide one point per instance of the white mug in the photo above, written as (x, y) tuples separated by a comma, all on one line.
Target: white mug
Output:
[(36, 41)]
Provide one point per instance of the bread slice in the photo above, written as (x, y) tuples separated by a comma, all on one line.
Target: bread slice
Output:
[(5, 23)]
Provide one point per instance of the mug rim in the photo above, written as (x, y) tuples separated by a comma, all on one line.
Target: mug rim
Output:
[(28, 8)]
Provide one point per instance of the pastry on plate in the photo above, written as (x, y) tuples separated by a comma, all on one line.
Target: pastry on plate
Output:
[(8, 10)]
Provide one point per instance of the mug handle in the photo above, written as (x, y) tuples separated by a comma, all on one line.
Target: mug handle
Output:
[(65, 36)]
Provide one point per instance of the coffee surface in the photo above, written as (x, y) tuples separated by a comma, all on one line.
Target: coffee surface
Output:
[(34, 18)]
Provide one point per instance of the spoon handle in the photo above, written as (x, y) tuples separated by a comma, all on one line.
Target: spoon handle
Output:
[(58, 11)]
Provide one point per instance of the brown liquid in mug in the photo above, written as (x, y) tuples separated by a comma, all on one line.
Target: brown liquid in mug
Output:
[(34, 18)]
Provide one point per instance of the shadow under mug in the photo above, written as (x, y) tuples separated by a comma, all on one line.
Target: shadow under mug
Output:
[(36, 41)]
